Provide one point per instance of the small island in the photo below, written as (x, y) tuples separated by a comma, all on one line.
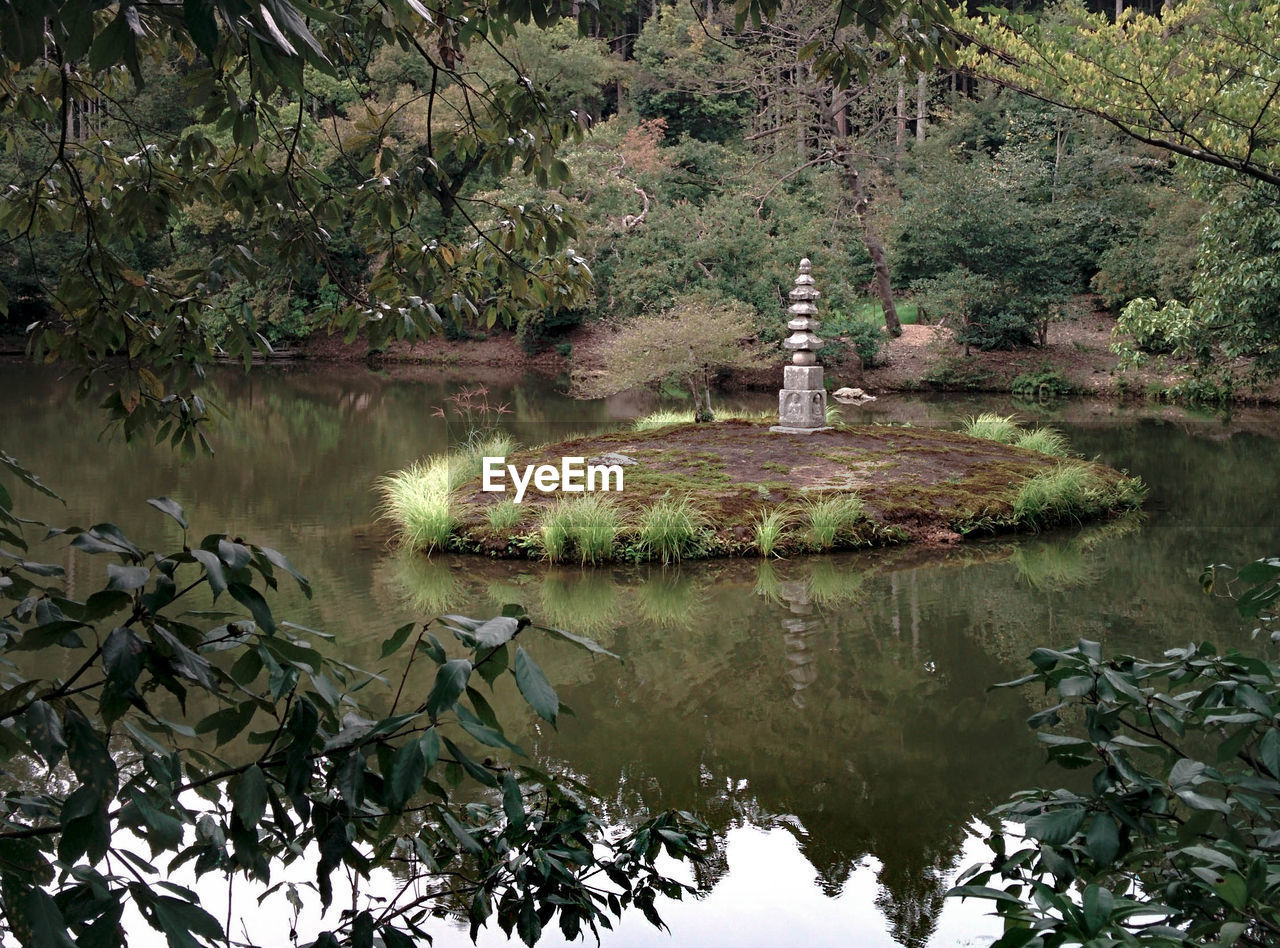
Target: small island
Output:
[(735, 488)]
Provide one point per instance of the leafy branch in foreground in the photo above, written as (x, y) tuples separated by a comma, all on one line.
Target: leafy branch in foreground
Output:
[(1176, 840), (225, 742)]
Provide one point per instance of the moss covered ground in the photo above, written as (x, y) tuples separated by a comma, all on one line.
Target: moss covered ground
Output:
[(734, 488)]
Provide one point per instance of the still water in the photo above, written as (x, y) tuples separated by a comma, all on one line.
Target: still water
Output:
[(829, 716)]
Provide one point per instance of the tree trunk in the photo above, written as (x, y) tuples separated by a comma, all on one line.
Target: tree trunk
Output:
[(884, 286), (900, 136), (922, 95), (1119, 8)]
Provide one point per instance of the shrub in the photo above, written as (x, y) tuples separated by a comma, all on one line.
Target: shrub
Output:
[(671, 530), (418, 500), (1046, 385), (504, 516), (1169, 838)]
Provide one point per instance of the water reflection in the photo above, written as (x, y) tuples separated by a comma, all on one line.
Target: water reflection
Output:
[(828, 716), (841, 700)]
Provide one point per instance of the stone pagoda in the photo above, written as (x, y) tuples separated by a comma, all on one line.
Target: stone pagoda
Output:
[(802, 401)]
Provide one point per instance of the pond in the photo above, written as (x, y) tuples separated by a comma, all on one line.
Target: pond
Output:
[(829, 716)]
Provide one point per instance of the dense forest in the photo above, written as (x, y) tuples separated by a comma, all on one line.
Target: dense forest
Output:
[(673, 155)]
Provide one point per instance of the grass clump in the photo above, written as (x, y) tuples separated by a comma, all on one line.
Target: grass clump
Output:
[(504, 516), (588, 524), (831, 518), (993, 427), (664, 417), (419, 500), (684, 416), (1066, 491), (671, 530), (1045, 440), (769, 529)]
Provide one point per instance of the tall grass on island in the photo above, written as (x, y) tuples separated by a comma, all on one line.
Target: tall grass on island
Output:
[(588, 524), (671, 530), (1072, 491), (1004, 429), (831, 518), (684, 416), (419, 499)]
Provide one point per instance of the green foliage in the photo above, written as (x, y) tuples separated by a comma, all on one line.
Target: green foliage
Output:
[(1045, 385), (830, 518), (291, 752), (979, 238), (662, 418), (420, 501), (1236, 288), (670, 530), (700, 336), (770, 527), (1004, 429), (504, 516), (1045, 441), (864, 335), (1173, 839), (588, 524), (993, 427), (1068, 492), (687, 77)]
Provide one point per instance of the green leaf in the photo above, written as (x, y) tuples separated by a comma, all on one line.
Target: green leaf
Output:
[(408, 768), (513, 801), (48, 928), (126, 578), (397, 639), (1056, 827), (122, 657), (1102, 841), (1233, 891), (249, 796), (44, 731), (252, 600), (1269, 751), (180, 919), (88, 756), (164, 830), (171, 507), (496, 631), (198, 15), (213, 571), (461, 833), (1099, 903), (1198, 801), (451, 679), (578, 640), (535, 687)]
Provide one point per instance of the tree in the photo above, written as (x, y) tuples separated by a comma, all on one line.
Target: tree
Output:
[(689, 342), (1174, 841), (1199, 79), (979, 239)]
